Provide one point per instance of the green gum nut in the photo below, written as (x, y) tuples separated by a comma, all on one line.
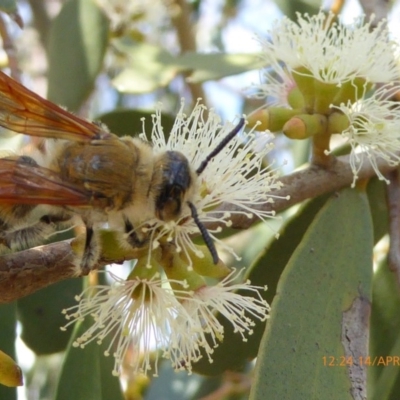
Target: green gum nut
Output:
[(258, 120), (272, 118), (295, 98), (337, 123), (279, 116), (10, 372), (305, 125), (112, 248), (205, 266), (181, 277), (145, 269), (324, 96), (352, 91), (305, 83)]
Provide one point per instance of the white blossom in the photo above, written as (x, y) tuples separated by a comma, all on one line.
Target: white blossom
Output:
[(374, 129), (146, 316), (241, 310), (277, 82), (236, 176), (137, 313), (333, 52)]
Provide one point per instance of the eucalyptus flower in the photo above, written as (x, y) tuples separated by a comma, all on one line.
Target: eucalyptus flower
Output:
[(237, 176), (373, 129), (165, 307), (137, 314), (240, 303), (151, 319), (320, 47)]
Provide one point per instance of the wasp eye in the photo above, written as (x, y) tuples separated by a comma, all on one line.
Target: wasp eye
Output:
[(169, 203), (174, 180)]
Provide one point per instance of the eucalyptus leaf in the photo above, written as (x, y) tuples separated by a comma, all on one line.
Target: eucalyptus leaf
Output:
[(290, 8), (87, 373), (213, 66), (266, 270), (41, 318), (129, 122), (148, 67), (77, 44), (172, 385), (384, 380), (8, 6), (318, 327), (376, 191), (8, 327)]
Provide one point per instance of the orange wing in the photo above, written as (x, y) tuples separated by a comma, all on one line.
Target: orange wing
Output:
[(23, 111), (22, 183)]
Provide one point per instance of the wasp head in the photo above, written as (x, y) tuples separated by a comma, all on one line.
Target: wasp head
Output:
[(175, 181)]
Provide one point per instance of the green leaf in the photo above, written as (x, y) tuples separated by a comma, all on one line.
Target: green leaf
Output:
[(41, 317), (172, 385), (8, 326), (77, 44), (321, 307), (376, 191), (8, 6), (291, 7), (151, 67), (129, 122), (214, 66), (87, 373), (384, 380), (266, 270)]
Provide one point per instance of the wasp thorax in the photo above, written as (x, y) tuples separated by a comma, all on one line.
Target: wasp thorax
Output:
[(173, 178)]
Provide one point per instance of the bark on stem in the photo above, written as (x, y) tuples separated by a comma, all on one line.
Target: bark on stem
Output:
[(25, 272)]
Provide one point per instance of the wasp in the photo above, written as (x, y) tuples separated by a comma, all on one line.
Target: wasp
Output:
[(89, 172)]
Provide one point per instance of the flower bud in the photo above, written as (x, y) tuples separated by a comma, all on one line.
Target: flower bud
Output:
[(305, 125), (205, 265), (272, 118), (295, 98), (305, 83), (10, 372), (324, 95), (178, 270), (337, 123)]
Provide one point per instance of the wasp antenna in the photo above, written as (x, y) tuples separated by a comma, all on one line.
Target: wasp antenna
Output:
[(221, 145), (204, 233)]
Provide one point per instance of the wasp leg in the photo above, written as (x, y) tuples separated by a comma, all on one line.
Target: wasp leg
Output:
[(27, 237), (31, 235), (132, 236), (13, 218), (91, 252)]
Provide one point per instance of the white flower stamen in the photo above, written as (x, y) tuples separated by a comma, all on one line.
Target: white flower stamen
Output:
[(236, 176), (374, 130), (143, 324), (333, 52), (240, 310)]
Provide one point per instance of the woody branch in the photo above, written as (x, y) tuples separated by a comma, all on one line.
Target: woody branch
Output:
[(27, 271)]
